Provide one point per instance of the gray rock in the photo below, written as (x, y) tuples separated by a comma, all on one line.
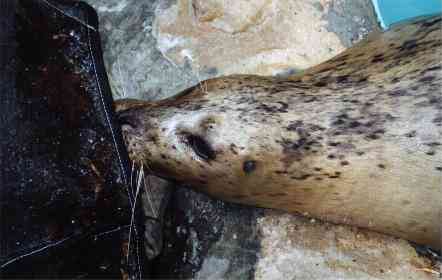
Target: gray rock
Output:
[(135, 67), (208, 239), (351, 20)]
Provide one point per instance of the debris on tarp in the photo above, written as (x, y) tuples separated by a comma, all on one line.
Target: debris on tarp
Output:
[(66, 207)]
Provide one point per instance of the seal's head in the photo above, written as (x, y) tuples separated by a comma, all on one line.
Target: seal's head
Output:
[(201, 134), (346, 141)]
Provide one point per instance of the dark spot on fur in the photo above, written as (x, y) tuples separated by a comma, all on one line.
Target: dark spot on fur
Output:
[(433, 144), (427, 79), (331, 156), (334, 144), (310, 99), (395, 80), (294, 126), (296, 150), (233, 149), (320, 84), (378, 58), (439, 168), (317, 168), (202, 182), (344, 163), (315, 127), (408, 45), (437, 121), (373, 136), (354, 124), (325, 69), (405, 202), (274, 109), (341, 64), (411, 134), (195, 107), (342, 79), (338, 122), (249, 166), (434, 68), (382, 166), (431, 23), (302, 177), (277, 194), (284, 107), (431, 153)]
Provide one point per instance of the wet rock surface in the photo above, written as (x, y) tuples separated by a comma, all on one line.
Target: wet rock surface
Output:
[(208, 239), (154, 49), (135, 66)]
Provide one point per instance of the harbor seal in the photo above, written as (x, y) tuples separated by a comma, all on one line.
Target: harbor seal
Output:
[(355, 140)]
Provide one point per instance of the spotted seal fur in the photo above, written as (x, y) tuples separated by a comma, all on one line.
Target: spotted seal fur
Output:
[(355, 140)]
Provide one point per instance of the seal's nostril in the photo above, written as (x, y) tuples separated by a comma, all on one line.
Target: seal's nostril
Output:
[(127, 118)]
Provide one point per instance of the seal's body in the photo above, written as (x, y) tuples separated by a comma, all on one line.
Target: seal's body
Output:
[(355, 140)]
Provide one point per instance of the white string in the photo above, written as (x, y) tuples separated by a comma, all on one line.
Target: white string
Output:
[(132, 203), (68, 15)]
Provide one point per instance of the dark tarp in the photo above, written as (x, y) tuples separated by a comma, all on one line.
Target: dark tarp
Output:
[(64, 196)]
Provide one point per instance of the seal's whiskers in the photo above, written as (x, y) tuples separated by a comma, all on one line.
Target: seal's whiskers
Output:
[(139, 179), (147, 185)]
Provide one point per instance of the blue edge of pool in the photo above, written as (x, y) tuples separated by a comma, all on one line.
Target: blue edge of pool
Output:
[(392, 11)]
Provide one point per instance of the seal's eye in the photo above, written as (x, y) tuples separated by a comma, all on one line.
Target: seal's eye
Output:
[(200, 147)]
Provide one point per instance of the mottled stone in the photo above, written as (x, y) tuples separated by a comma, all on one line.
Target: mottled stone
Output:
[(257, 37), (311, 249)]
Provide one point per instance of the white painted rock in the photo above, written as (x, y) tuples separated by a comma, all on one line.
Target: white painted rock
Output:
[(296, 247), (265, 37)]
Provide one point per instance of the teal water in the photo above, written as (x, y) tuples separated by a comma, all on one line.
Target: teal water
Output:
[(392, 11)]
